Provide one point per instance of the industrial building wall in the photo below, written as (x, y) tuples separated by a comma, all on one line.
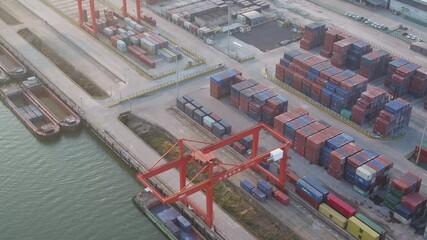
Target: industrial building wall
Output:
[(408, 10)]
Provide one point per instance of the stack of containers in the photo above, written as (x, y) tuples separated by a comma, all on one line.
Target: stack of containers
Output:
[(372, 175), (339, 158), (369, 105), (236, 89), (355, 86), (400, 187), (315, 71), (357, 50), (265, 187), (412, 206), (281, 120), (392, 67), (418, 86), (316, 142), (331, 36), (292, 126), (374, 65), (285, 61), (340, 97), (280, 72), (246, 96), (328, 90), (302, 134), (313, 196), (355, 161), (257, 103), (395, 116), (220, 84), (274, 107), (340, 51), (313, 37), (331, 145), (401, 79)]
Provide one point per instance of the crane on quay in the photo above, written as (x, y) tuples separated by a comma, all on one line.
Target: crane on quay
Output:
[(214, 171), (92, 29)]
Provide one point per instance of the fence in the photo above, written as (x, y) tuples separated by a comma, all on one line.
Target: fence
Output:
[(166, 85), (323, 108)]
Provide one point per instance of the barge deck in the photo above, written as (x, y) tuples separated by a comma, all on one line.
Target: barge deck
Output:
[(34, 118), (11, 65), (53, 105)]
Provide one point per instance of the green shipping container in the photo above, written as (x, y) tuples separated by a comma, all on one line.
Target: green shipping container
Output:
[(335, 216), (346, 114), (396, 193), (361, 231), (372, 225)]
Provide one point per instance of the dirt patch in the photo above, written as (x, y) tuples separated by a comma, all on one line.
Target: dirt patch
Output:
[(238, 207), (267, 36), (7, 18), (79, 78)]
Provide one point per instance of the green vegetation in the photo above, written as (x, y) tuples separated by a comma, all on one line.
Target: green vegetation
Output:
[(79, 78), (7, 18), (225, 194)]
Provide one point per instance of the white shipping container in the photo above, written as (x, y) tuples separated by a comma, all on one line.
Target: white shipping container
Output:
[(108, 31), (175, 17), (121, 31), (127, 20), (139, 28), (363, 173), (134, 40), (187, 25), (132, 23)]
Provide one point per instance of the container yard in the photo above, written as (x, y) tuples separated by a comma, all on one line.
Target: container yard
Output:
[(304, 125)]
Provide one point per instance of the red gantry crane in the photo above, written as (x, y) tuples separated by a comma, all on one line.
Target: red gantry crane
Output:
[(93, 30), (210, 166)]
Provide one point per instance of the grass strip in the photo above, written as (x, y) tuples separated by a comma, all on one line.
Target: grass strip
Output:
[(7, 17), (245, 213), (78, 77)]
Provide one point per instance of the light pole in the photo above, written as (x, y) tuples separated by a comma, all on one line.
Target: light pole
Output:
[(124, 73), (228, 27), (421, 143), (177, 82)]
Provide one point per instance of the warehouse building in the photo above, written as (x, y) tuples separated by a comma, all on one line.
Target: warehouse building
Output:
[(415, 9), (213, 18), (253, 18)]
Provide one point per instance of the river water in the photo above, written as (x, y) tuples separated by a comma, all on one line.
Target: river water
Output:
[(71, 188)]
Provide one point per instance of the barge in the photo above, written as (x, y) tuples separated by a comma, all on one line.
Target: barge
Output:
[(11, 65), (63, 115), (34, 118), (165, 217)]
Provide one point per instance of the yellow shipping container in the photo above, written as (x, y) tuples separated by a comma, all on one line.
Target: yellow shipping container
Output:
[(335, 216), (361, 231)]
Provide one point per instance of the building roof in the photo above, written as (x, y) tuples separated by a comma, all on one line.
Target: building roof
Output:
[(212, 15), (253, 15), (376, 2), (422, 5)]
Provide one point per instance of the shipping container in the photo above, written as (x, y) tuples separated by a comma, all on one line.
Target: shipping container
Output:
[(265, 187), (361, 231), (247, 185), (339, 205), (333, 215), (372, 225), (310, 191), (281, 197), (258, 194), (314, 183), (183, 223)]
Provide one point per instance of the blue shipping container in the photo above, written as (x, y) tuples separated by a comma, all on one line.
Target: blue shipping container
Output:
[(309, 190), (183, 223), (265, 187), (245, 184), (314, 183), (258, 194)]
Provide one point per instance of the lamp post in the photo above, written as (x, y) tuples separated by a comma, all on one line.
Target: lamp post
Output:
[(177, 82), (228, 27), (421, 143)]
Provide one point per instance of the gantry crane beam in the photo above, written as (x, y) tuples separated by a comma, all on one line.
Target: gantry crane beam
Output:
[(186, 189), (92, 16)]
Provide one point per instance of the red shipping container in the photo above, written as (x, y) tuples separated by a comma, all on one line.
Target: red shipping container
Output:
[(292, 177), (297, 81), (316, 142), (302, 134), (239, 147), (340, 206), (282, 119), (307, 198), (414, 201), (281, 197)]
